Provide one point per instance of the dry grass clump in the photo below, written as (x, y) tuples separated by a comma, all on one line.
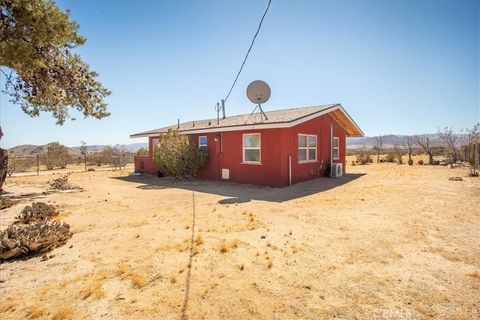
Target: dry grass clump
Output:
[(223, 247), (94, 289), (253, 223), (65, 313), (137, 279), (199, 240), (475, 274), (8, 306), (234, 244), (7, 203), (179, 246), (36, 311), (226, 224)]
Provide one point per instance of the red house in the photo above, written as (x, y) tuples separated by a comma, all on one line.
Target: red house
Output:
[(287, 147)]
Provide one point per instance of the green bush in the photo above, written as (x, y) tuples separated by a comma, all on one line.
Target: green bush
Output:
[(178, 155), (142, 152)]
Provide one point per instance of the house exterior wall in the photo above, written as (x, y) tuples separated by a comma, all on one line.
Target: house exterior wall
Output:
[(146, 163), (321, 167), (225, 151)]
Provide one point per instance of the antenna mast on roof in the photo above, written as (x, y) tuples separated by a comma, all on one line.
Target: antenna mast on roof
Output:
[(217, 108), (223, 108)]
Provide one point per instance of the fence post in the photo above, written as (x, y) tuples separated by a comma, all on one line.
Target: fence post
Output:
[(475, 156), (38, 164), (85, 160)]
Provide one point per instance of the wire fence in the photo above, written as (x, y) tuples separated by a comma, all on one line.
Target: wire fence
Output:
[(42, 163)]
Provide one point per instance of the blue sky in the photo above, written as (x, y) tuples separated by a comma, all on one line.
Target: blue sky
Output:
[(400, 67)]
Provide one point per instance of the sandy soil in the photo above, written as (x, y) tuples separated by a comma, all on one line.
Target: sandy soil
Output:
[(384, 242)]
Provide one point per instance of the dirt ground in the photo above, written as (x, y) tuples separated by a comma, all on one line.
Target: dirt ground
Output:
[(386, 241)]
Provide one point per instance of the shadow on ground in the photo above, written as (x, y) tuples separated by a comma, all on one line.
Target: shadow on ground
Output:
[(241, 193)]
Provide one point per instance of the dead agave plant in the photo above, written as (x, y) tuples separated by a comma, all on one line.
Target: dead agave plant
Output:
[(61, 183), (39, 237), (38, 211)]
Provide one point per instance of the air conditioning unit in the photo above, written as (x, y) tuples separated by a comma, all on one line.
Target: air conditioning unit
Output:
[(336, 170)]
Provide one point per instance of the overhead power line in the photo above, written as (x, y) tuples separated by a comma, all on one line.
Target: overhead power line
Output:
[(249, 49)]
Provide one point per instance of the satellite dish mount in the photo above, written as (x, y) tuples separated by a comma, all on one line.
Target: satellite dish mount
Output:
[(258, 92)]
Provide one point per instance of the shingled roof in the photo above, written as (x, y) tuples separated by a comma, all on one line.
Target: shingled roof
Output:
[(276, 119)]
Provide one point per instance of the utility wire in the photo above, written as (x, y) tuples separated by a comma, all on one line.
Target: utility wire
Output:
[(249, 49)]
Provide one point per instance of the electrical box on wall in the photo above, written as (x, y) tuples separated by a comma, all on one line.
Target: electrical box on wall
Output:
[(225, 174)]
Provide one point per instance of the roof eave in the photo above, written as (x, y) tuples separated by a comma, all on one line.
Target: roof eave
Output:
[(272, 125)]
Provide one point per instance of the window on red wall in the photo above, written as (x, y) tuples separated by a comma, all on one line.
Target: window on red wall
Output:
[(203, 144), (307, 148), (251, 148), (336, 148)]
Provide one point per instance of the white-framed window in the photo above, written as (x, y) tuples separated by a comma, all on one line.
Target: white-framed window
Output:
[(203, 143), (307, 148), (336, 148), (252, 148)]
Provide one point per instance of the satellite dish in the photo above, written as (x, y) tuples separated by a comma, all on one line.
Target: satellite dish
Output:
[(258, 92)]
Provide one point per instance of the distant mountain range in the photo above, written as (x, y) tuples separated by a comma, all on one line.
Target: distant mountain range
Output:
[(389, 141), (30, 149), (352, 143)]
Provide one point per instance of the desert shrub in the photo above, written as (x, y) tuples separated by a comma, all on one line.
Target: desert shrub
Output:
[(390, 157), (363, 156), (178, 155), (420, 162)]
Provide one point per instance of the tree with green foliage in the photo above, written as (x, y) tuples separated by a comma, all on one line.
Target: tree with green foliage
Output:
[(57, 156), (42, 73), (178, 155)]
